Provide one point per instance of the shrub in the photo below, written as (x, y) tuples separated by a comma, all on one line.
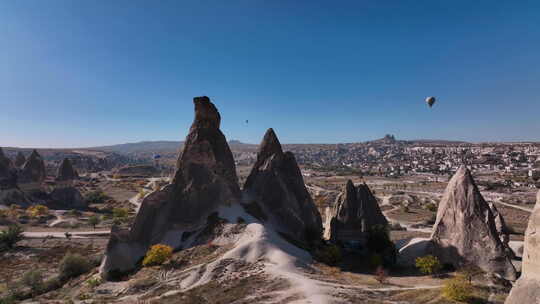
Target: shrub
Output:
[(469, 271), (157, 255), (9, 237), (457, 289), (405, 208), (94, 282), (94, 220), (378, 242), (37, 210), (141, 193), (428, 264), (120, 213), (96, 197), (73, 265), (34, 280), (431, 207), (375, 261), (328, 254)]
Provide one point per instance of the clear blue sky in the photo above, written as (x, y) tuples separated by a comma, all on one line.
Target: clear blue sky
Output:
[(85, 73)]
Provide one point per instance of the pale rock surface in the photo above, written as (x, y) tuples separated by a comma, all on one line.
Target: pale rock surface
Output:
[(465, 230), (527, 288)]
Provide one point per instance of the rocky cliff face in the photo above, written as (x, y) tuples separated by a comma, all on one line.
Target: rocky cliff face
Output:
[(205, 180), (8, 176), (66, 198), (356, 211), (527, 288), (465, 231), (66, 172), (19, 160), (33, 170), (276, 188)]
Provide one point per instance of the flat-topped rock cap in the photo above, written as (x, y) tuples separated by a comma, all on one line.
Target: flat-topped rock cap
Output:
[(206, 113)]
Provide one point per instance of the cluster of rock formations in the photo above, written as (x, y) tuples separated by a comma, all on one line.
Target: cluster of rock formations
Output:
[(527, 288), (204, 182), (22, 184), (9, 189), (136, 171), (354, 214), (465, 231)]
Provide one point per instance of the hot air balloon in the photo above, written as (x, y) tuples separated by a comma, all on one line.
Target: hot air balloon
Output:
[(430, 101)]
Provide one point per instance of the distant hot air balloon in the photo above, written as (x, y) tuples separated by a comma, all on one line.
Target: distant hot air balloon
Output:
[(247, 121), (430, 101)]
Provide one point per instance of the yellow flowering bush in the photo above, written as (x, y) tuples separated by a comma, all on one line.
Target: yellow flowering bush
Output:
[(37, 210), (157, 255)]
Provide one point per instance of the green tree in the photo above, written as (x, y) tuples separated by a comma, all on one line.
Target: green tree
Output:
[(9, 237), (428, 264), (94, 220)]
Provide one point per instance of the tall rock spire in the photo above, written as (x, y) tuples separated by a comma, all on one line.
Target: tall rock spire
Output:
[(33, 170), (66, 172), (20, 159), (204, 181), (276, 186), (465, 231), (527, 288), (8, 178)]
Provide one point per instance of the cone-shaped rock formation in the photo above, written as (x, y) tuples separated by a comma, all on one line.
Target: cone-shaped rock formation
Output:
[(20, 159), (276, 188), (9, 191), (66, 172), (8, 177), (33, 170), (356, 211), (527, 288), (465, 231), (205, 180)]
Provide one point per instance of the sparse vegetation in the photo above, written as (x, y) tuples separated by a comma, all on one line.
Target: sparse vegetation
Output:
[(94, 282), (94, 220), (428, 264), (37, 210), (11, 236), (431, 207), (457, 289), (34, 280), (157, 255), (378, 242), (120, 213), (73, 265), (96, 197), (328, 254)]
